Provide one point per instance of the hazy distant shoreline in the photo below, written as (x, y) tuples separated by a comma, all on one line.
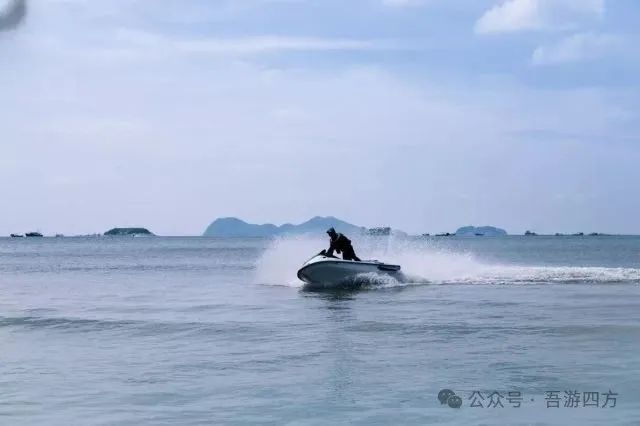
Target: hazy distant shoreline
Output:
[(232, 227)]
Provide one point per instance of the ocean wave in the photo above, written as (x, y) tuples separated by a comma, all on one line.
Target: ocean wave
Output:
[(137, 327), (36, 322), (123, 268)]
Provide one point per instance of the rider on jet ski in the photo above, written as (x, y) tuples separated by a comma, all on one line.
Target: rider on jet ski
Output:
[(341, 244)]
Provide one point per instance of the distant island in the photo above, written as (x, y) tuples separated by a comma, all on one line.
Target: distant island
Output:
[(117, 232), (486, 231), (234, 227)]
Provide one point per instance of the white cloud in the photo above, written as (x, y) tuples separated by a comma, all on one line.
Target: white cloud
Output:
[(527, 15), (261, 44), (576, 48), (246, 45)]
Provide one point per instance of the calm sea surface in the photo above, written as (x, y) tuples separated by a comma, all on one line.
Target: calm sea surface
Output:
[(200, 331)]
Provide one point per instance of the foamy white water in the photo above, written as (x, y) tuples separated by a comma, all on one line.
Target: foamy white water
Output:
[(428, 262)]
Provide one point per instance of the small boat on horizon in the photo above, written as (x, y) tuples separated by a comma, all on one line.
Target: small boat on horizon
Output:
[(33, 234), (17, 236)]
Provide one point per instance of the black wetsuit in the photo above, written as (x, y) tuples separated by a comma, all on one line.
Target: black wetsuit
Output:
[(342, 244)]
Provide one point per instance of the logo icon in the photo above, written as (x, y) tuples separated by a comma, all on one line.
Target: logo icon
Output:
[(449, 397)]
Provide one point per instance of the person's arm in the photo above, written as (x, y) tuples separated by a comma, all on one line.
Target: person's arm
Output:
[(331, 248)]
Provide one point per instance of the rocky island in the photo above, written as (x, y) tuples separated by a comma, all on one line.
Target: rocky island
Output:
[(233, 227), (118, 232), (480, 231)]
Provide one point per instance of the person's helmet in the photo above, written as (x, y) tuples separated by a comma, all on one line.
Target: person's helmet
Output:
[(331, 231)]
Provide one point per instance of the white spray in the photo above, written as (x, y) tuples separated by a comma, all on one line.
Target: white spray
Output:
[(426, 262), (420, 263)]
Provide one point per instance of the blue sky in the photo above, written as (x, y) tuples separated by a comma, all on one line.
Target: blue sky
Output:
[(424, 115)]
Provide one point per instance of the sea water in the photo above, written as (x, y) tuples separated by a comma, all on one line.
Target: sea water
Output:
[(200, 331)]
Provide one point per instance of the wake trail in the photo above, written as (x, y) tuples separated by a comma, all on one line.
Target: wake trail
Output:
[(424, 264)]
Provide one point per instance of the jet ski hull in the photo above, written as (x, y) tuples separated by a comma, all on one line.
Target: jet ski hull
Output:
[(328, 271)]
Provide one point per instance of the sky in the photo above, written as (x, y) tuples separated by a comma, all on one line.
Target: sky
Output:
[(424, 115)]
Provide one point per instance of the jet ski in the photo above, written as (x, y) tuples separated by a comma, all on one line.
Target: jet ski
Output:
[(329, 271)]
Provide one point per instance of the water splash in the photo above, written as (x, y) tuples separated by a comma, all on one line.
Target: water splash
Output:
[(282, 259), (423, 262)]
